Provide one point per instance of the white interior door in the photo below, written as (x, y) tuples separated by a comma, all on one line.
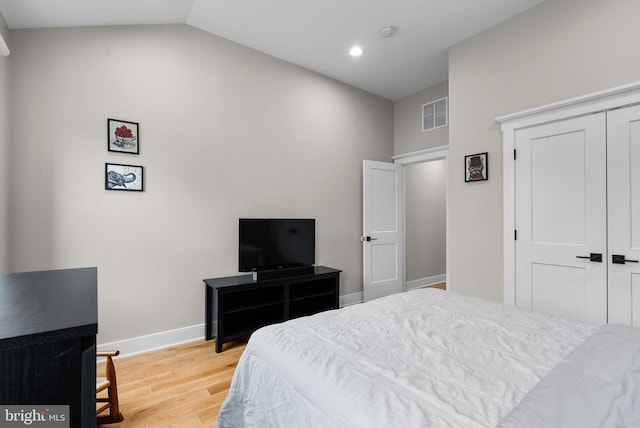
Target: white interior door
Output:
[(382, 229), (560, 218), (623, 153)]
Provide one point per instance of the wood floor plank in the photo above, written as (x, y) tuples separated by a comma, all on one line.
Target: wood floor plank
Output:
[(440, 285), (181, 386)]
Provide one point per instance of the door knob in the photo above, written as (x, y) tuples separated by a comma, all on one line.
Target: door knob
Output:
[(367, 239), (620, 259), (594, 257)]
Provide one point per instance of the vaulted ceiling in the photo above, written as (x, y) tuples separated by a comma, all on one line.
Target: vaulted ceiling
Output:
[(315, 34)]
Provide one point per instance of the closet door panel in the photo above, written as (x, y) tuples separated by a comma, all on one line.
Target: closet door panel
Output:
[(623, 189), (561, 218)]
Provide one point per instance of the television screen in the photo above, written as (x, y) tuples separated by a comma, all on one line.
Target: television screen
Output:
[(269, 243)]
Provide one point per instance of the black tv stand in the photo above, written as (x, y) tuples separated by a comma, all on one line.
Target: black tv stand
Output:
[(262, 275), (236, 306)]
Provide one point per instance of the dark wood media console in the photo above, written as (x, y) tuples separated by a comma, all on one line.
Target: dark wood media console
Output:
[(236, 306)]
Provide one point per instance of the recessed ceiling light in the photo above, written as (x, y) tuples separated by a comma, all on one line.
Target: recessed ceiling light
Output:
[(355, 51)]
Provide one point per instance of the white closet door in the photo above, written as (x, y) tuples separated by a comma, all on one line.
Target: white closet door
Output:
[(561, 217), (623, 152)]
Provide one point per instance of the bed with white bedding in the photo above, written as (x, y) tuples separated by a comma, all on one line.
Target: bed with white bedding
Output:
[(428, 358)]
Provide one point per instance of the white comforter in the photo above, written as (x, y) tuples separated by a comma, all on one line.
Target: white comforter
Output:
[(425, 358), (597, 385)]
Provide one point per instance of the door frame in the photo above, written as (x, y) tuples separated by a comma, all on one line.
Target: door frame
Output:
[(609, 99), (421, 156)]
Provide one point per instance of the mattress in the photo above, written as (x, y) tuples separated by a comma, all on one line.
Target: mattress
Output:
[(425, 358)]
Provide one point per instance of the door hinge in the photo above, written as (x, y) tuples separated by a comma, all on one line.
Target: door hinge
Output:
[(514, 154), (515, 234)]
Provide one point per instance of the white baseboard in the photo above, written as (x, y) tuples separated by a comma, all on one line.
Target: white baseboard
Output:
[(150, 342), (350, 299), (424, 282)]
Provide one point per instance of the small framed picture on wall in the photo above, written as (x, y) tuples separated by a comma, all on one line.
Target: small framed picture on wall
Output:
[(123, 136), (476, 167), (124, 177)]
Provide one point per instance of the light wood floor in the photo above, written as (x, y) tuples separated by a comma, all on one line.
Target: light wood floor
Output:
[(181, 386), (440, 285)]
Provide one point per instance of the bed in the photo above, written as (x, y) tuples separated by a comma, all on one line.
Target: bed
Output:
[(430, 358)]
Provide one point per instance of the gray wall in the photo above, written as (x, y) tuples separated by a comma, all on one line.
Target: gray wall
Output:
[(407, 120), (558, 50), (4, 153), (225, 132), (425, 211)]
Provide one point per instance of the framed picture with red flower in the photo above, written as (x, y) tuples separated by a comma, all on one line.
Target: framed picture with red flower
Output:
[(123, 136)]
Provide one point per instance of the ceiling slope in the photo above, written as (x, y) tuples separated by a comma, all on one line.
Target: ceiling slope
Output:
[(313, 34)]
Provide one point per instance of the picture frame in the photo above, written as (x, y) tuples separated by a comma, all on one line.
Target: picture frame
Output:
[(123, 136), (476, 167), (128, 178)]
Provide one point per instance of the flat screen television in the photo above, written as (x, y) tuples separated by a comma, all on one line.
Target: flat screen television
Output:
[(276, 243)]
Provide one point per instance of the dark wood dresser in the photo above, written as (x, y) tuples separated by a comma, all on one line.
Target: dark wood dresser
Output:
[(48, 327)]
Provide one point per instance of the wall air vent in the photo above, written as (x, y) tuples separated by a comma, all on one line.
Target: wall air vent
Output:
[(434, 114)]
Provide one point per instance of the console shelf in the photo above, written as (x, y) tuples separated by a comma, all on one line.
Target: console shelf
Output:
[(236, 306)]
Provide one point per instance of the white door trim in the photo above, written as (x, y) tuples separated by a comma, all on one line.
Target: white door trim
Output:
[(436, 153), (425, 155), (599, 101)]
